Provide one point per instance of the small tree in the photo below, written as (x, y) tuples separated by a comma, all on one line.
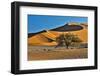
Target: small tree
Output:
[(67, 39)]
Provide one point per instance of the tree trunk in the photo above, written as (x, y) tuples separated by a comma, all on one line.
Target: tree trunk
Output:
[(67, 46)]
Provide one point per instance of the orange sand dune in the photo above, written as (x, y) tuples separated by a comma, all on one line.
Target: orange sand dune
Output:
[(51, 34), (82, 34), (43, 38)]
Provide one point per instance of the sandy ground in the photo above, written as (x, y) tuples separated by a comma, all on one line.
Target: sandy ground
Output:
[(51, 53)]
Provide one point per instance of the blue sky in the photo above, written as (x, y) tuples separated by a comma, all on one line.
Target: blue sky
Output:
[(37, 23)]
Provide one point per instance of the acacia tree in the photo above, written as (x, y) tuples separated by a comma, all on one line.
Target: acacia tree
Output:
[(67, 39)]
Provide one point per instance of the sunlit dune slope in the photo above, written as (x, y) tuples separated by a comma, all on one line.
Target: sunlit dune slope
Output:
[(82, 34), (43, 39), (48, 38), (51, 34)]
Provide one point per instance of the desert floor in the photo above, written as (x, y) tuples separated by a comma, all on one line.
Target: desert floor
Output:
[(52, 53)]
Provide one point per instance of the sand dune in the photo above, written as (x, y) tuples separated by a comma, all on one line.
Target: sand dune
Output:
[(41, 39), (51, 34), (82, 34), (47, 38)]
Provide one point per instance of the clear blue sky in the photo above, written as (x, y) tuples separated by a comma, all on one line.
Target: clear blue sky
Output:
[(37, 23)]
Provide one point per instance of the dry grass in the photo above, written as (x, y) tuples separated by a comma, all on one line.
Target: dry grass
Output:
[(54, 54)]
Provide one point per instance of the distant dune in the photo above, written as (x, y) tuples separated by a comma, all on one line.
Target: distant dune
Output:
[(47, 37)]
